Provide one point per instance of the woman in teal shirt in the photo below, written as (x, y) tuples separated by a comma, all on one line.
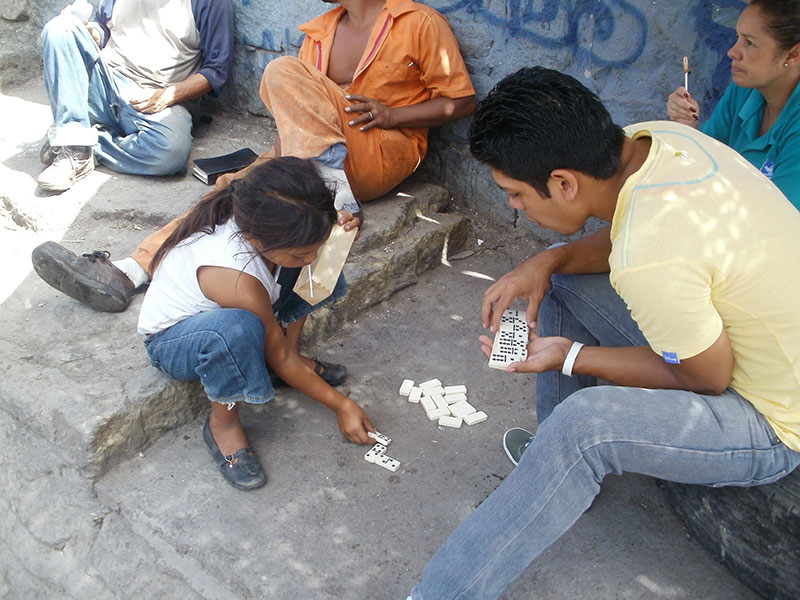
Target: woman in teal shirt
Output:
[(759, 114)]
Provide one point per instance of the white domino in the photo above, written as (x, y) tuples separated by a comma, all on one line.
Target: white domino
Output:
[(430, 383), (380, 437), (511, 341), (455, 389), (475, 418), (405, 387), (448, 421), (415, 394), (437, 412), (373, 453), (427, 403), (461, 409), (432, 391), (387, 462), (453, 398), (440, 401)]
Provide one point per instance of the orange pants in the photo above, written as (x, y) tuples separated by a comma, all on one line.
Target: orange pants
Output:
[(308, 109)]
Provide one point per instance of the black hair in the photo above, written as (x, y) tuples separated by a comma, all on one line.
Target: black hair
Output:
[(782, 21), (537, 120), (282, 203)]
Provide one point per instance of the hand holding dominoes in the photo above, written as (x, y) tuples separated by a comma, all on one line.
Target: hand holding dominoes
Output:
[(510, 343)]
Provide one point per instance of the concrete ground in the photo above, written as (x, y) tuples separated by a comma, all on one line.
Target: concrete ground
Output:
[(163, 524)]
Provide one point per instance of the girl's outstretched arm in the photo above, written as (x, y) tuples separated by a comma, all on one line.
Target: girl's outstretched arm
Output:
[(233, 289)]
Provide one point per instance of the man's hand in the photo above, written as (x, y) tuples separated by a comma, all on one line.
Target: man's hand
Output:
[(354, 423), (683, 108), (544, 354), (156, 102), (372, 113), (529, 281)]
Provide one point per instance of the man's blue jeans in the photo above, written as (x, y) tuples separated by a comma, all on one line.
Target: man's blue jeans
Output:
[(84, 92), (589, 433)]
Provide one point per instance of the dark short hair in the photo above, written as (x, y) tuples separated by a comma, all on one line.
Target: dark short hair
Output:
[(537, 120), (782, 21)]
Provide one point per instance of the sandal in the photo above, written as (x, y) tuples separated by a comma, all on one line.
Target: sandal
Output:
[(241, 469), (331, 373)]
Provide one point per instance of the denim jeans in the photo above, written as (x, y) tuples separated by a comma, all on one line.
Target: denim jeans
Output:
[(591, 432), (83, 92), (224, 347)]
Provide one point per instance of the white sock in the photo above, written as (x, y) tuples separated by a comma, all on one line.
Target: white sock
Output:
[(133, 270), (335, 178)]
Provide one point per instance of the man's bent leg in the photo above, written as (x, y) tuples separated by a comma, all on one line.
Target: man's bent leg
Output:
[(377, 159), (670, 434), (586, 309)]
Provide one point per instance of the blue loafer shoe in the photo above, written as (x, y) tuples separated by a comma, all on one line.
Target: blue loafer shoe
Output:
[(242, 469)]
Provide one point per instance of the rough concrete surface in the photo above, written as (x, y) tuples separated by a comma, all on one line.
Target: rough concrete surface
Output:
[(159, 522)]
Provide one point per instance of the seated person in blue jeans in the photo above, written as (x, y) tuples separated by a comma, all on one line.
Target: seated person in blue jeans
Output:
[(684, 303), (117, 84)]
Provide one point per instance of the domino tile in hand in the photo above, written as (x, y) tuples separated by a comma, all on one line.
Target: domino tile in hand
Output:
[(380, 437), (510, 342), (374, 452)]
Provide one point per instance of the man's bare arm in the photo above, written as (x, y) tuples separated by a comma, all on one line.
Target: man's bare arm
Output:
[(370, 113), (190, 88)]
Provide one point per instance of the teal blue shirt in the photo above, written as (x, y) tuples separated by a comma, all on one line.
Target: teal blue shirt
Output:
[(736, 121)]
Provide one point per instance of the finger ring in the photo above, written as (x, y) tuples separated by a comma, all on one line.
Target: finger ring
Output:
[(371, 116)]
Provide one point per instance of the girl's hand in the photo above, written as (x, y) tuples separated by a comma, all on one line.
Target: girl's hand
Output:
[(373, 113), (683, 108), (544, 354), (354, 423)]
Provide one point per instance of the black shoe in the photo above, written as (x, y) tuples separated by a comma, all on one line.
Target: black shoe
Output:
[(331, 373), (90, 278), (241, 469), (46, 153)]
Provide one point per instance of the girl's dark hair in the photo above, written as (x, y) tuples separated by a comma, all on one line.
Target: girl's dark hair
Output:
[(282, 203), (782, 20), (537, 120)]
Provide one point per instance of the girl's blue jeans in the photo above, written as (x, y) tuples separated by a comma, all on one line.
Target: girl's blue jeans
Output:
[(224, 348), (587, 431), (84, 92)]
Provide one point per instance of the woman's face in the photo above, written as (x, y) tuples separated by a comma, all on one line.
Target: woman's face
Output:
[(756, 60), (293, 257)]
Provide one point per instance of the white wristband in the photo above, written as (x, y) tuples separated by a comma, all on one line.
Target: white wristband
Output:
[(569, 361)]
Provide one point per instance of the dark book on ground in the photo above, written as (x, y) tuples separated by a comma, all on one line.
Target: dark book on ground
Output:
[(208, 169)]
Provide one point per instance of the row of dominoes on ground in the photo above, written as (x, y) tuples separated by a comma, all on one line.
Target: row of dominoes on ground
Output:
[(446, 404)]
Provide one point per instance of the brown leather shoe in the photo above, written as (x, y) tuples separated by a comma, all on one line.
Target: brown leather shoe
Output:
[(90, 278)]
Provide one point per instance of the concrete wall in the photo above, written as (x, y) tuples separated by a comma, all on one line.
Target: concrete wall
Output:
[(628, 52)]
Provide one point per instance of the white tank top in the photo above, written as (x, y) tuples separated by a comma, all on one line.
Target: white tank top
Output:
[(174, 293)]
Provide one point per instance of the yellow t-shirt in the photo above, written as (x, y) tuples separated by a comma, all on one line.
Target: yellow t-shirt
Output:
[(702, 240)]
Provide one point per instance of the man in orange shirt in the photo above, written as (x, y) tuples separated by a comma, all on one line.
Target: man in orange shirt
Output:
[(372, 76)]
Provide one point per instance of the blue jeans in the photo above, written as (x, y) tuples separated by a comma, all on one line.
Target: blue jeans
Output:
[(593, 431), (83, 91), (224, 347)]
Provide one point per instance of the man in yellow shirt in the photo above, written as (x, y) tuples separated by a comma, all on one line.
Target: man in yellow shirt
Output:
[(684, 303)]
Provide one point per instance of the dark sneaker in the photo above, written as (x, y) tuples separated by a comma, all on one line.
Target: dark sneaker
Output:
[(330, 373), (515, 442), (70, 164), (90, 278)]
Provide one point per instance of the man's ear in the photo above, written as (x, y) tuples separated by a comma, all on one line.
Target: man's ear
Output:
[(565, 183)]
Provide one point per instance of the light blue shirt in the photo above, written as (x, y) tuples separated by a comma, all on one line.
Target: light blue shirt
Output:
[(736, 121)]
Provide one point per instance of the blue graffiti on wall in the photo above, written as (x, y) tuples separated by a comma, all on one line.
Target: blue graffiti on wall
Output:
[(605, 32)]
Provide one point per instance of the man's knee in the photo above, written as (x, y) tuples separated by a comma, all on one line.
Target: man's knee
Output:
[(281, 72), (60, 29)]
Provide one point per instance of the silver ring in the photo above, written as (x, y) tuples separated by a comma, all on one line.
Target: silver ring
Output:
[(371, 116)]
